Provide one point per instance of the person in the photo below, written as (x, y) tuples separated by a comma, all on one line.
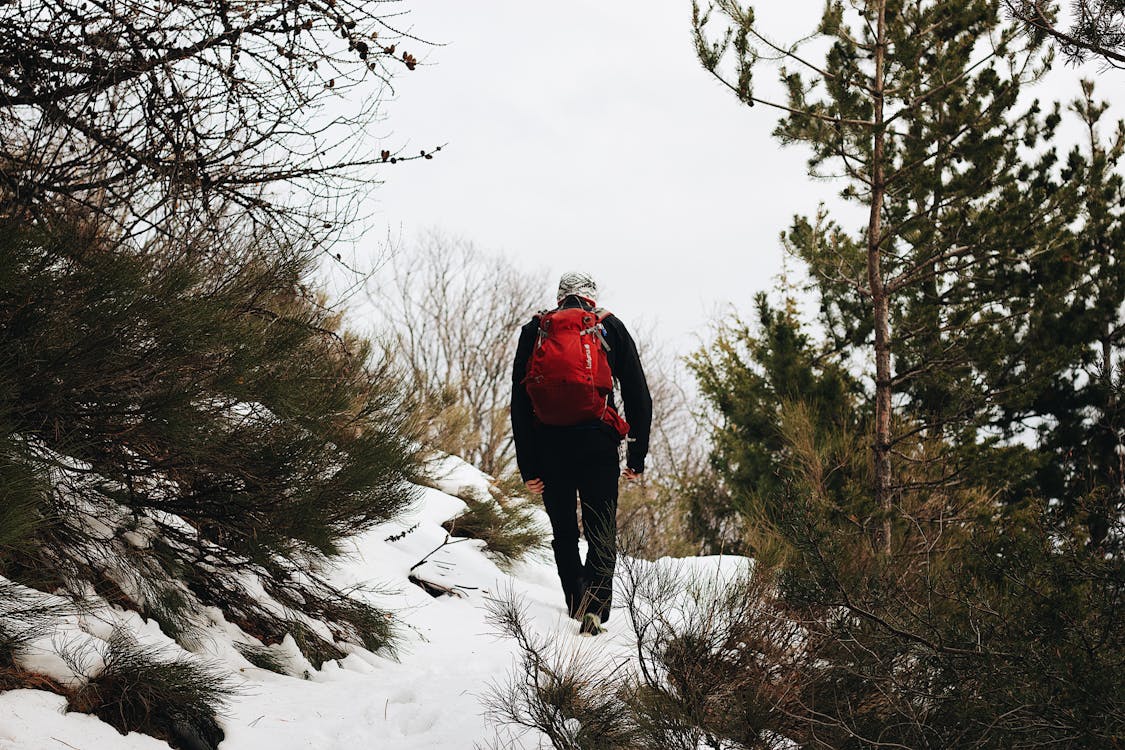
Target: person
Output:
[(563, 458)]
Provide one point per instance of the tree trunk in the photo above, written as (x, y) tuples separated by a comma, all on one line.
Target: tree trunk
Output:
[(882, 440)]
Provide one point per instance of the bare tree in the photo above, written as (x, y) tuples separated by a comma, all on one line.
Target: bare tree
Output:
[(654, 514), (679, 443), (451, 314), (145, 110)]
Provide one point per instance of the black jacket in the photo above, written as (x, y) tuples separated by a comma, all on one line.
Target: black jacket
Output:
[(625, 364)]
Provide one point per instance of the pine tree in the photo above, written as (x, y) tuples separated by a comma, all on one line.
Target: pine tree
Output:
[(984, 291), (915, 105), (1074, 340), (1094, 27)]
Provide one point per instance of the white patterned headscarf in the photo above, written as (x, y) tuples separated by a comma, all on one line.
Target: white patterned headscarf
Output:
[(578, 284)]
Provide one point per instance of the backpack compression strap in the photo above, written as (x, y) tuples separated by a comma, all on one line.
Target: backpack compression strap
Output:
[(600, 314)]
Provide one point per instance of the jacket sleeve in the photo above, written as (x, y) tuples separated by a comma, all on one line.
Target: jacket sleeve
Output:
[(523, 418), (634, 392)]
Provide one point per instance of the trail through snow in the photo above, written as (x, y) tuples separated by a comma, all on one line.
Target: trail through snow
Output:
[(429, 697)]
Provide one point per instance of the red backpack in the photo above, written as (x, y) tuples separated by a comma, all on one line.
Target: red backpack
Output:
[(568, 375)]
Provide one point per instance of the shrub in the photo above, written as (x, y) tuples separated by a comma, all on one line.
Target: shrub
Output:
[(575, 701), (1007, 637), (510, 529), (263, 657), (138, 689), (706, 673), (25, 617), (186, 408), (23, 493)]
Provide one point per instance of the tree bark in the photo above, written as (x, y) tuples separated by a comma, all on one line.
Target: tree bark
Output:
[(882, 438)]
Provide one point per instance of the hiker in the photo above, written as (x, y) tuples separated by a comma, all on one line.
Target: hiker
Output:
[(567, 431)]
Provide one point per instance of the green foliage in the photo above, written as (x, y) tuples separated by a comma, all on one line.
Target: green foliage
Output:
[(706, 649), (318, 616), (972, 634), (578, 703), (970, 244), (139, 690), (1087, 28), (965, 213), (274, 418), (20, 506), (313, 646), (986, 627), (23, 494), (748, 376), (1075, 341), (1055, 636), (509, 529), (193, 398), (25, 617), (263, 657), (182, 416), (353, 620), (170, 606), (977, 604), (709, 519), (999, 262)]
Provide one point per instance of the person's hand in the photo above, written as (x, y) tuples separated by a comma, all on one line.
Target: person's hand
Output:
[(535, 485), (630, 475)]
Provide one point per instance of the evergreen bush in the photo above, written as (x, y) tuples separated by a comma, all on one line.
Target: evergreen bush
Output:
[(23, 493), (991, 637), (186, 408), (25, 617), (509, 529), (137, 689), (263, 657), (183, 422)]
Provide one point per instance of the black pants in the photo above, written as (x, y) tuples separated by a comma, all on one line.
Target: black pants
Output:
[(583, 463)]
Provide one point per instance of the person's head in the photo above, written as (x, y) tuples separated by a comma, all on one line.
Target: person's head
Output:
[(578, 284)]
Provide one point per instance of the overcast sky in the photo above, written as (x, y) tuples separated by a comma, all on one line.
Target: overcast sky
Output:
[(586, 135)]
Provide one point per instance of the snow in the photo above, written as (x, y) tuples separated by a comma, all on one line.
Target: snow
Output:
[(34, 720), (430, 696)]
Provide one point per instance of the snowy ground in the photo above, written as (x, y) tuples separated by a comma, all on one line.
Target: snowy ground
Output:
[(430, 697)]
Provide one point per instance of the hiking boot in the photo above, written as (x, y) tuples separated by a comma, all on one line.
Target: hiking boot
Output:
[(591, 625)]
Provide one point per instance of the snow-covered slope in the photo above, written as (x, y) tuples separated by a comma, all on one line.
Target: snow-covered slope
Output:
[(429, 697)]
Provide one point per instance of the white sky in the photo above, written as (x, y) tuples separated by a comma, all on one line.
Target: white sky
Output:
[(586, 135)]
